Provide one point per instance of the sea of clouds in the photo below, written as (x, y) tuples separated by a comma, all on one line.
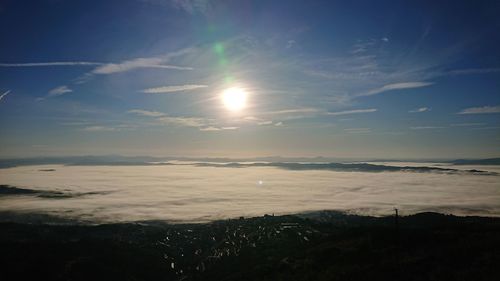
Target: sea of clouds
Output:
[(198, 193)]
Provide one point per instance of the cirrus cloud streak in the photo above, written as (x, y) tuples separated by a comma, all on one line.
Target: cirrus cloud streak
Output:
[(481, 110), (171, 89)]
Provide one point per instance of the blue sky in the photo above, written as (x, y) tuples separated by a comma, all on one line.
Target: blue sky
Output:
[(362, 79)]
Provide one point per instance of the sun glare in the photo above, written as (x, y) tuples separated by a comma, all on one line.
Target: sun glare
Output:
[(234, 99)]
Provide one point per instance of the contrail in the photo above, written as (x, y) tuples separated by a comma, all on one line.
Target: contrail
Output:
[(57, 63), (4, 94)]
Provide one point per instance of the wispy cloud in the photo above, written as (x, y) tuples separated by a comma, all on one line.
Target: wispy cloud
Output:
[(150, 62), (474, 71), (180, 121), (109, 68), (266, 117), (185, 121), (128, 65), (396, 86), (99, 129), (61, 90), (171, 89), (58, 91), (421, 109), (147, 113), (488, 128), (251, 118), (202, 124), (211, 128), (75, 123), (208, 129), (192, 6), (290, 44), (481, 110), (55, 63), (362, 46), (103, 68), (358, 130), (466, 124), (4, 94), (426, 127), (354, 111), (369, 70), (294, 110), (258, 121)]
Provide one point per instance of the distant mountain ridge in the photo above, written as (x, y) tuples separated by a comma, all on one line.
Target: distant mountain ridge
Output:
[(348, 166), (489, 161), (152, 160)]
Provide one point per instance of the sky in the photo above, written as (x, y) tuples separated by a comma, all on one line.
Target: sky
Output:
[(351, 79)]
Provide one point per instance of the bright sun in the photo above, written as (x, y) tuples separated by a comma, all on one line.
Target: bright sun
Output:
[(234, 99)]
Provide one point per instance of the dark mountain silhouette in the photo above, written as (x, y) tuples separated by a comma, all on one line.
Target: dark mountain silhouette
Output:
[(314, 246)]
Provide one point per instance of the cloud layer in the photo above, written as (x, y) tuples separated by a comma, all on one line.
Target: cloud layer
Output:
[(186, 193)]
